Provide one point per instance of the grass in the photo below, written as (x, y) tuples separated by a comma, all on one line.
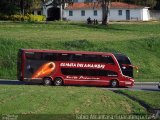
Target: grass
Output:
[(140, 41), (150, 98), (41, 100)]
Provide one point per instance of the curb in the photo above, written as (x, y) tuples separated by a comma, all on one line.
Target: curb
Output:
[(146, 83), (7, 80)]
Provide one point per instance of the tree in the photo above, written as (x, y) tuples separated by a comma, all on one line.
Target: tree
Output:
[(149, 3), (8, 7), (105, 11), (26, 6), (105, 4)]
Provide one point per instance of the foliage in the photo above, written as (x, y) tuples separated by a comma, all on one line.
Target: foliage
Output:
[(36, 18), (28, 17), (8, 8)]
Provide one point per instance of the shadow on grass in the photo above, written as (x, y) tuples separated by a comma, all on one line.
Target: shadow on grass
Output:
[(103, 27)]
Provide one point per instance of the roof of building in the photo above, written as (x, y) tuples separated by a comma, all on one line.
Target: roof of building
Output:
[(114, 5)]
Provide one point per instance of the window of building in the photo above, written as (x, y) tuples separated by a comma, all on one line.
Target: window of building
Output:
[(70, 13), (120, 12), (95, 12), (82, 13)]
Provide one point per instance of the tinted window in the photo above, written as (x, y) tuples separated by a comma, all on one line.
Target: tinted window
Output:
[(77, 57), (33, 56), (50, 56), (41, 56), (87, 72), (66, 57), (92, 58), (122, 59), (107, 59)]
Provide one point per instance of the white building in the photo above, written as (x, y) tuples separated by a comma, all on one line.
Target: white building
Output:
[(80, 11), (118, 12)]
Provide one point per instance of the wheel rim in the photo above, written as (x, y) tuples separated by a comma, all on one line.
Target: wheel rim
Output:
[(114, 83), (47, 81), (58, 82)]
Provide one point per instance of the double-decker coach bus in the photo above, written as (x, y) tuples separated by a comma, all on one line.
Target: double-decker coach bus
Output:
[(60, 67)]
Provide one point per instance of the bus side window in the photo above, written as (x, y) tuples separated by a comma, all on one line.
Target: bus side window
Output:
[(77, 57), (66, 57), (92, 58), (50, 56), (107, 60), (34, 55)]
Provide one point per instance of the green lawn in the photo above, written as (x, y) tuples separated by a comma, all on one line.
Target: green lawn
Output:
[(31, 99), (140, 41), (150, 98)]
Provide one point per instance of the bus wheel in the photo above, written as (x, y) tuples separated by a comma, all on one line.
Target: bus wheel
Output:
[(47, 81), (58, 82), (114, 83)]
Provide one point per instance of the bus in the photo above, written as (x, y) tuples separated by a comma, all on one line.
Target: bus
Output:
[(62, 67)]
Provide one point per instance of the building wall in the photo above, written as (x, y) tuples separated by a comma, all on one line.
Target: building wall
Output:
[(135, 15), (77, 15), (146, 14)]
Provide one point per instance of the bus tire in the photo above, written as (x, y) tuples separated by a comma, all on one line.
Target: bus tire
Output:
[(58, 81), (114, 83), (47, 81)]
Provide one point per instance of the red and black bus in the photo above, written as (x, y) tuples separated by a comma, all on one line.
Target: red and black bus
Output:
[(60, 67)]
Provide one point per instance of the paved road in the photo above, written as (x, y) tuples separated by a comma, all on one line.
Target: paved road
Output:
[(139, 86)]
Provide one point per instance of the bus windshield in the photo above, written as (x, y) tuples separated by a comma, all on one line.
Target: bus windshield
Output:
[(124, 60)]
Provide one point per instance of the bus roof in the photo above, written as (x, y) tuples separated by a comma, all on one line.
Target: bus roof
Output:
[(65, 51)]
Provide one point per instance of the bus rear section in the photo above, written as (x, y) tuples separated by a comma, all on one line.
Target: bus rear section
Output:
[(20, 65), (73, 67)]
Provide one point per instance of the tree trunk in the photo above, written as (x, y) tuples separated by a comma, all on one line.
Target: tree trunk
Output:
[(105, 11), (104, 16), (22, 6)]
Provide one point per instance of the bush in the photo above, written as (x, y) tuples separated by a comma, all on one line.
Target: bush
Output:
[(28, 17), (36, 18), (4, 17)]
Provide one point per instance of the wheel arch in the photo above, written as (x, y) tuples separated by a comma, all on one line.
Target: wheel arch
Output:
[(48, 77)]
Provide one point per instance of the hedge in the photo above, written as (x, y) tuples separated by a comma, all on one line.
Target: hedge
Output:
[(28, 17)]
